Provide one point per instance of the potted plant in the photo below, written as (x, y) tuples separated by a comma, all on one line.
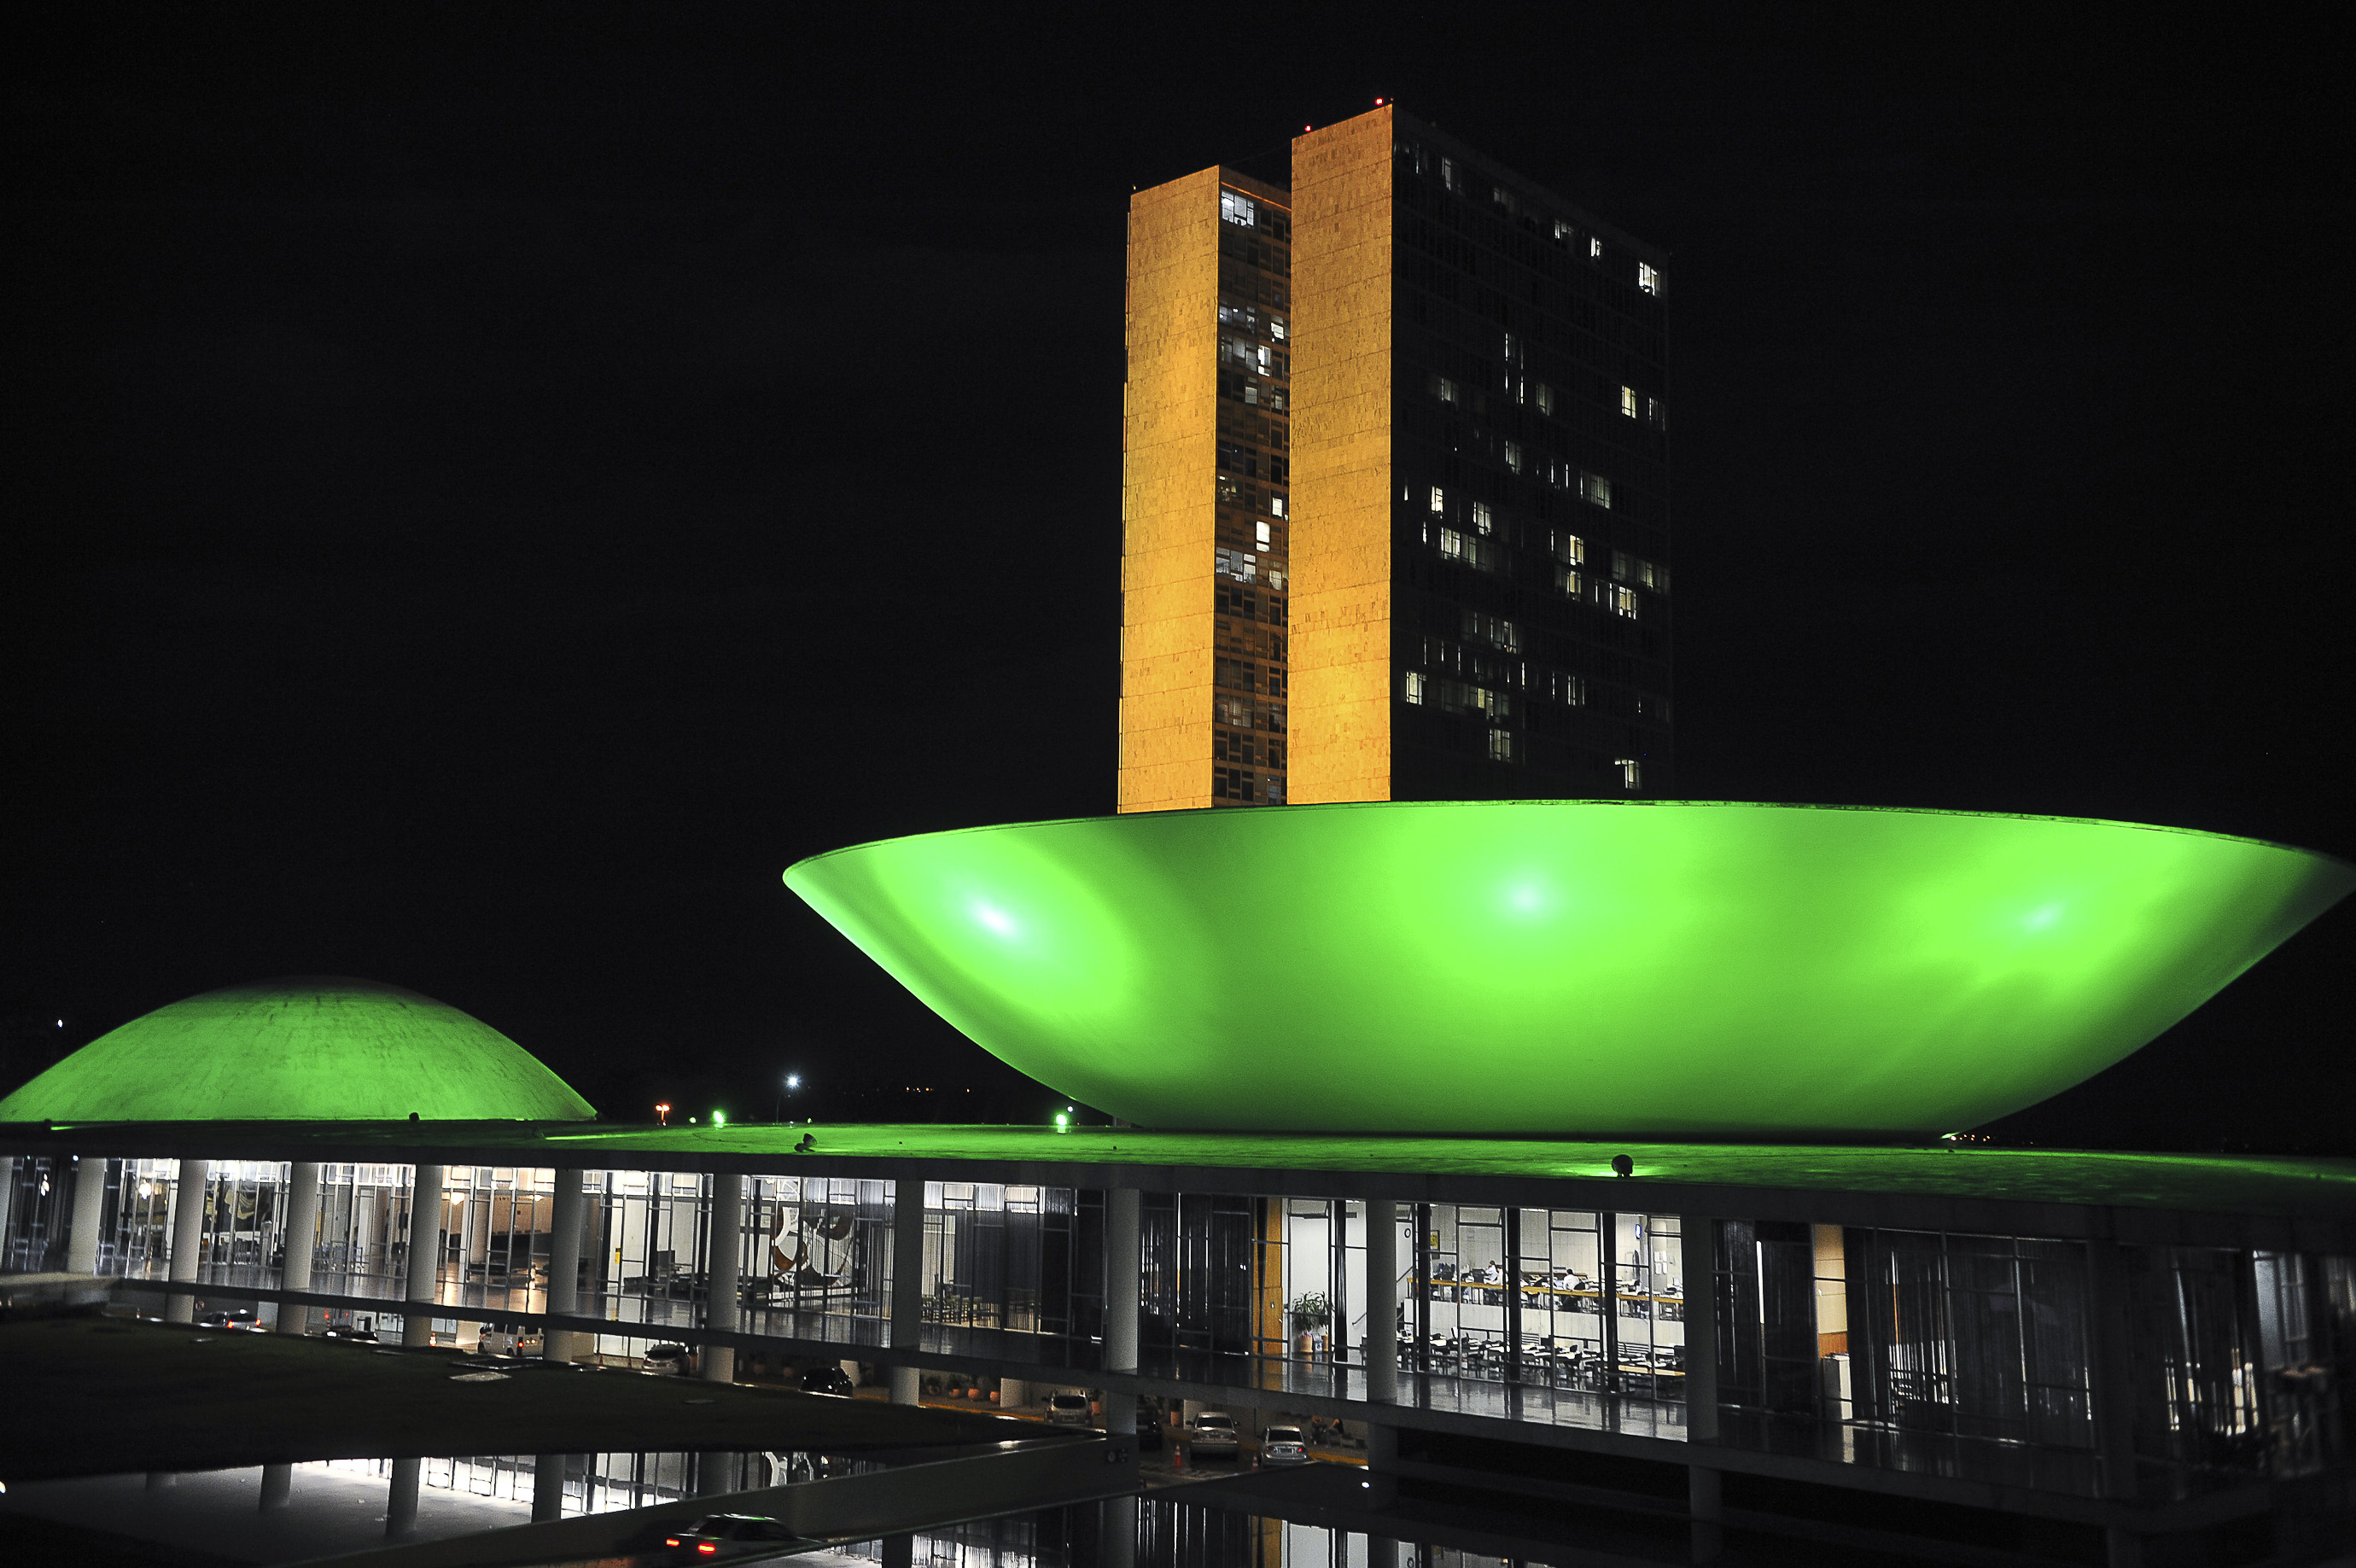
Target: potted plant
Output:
[(1310, 1313)]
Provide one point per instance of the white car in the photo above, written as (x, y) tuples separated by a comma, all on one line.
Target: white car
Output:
[(1067, 1409), (509, 1340), (1211, 1434), (1283, 1446)]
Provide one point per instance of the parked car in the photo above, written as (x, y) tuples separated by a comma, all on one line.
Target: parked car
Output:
[(829, 1379), (359, 1333), (239, 1318), (666, 1360), (1283, 1446), (510, 1339), (1067, 1409), (717, 1537), (1212, 1434)]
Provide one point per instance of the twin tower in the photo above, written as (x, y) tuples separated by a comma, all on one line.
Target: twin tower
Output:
[(1395, 501)]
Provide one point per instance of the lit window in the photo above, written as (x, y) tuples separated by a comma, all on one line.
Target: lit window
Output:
[(1632, 773), (1595, 488), (1263, 534), (1482, 519), (1628, 401), (1514, 456), (1571, 690), (1448, 172), (1445, 389), (1648, 277), (1567, 578), (1623, 601), (1500, 745), (1570, 548), (1546, 399), (1415, 687), (1276, 505), (1236, 209), (1437, 499), (1276, 327), (1561, 231), (1594, 250), (1513, 349), (1239, 565), (1657, 413)]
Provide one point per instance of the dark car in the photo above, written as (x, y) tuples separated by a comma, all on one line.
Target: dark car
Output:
[(828, 1380), (720, 1536), (352, 1331), (240, 1317)]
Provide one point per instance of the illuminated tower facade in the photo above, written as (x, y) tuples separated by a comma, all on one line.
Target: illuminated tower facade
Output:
[(1206, 492), (1396, 486)]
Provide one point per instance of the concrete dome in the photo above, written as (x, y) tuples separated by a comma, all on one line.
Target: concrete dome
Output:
[(313, 1047)]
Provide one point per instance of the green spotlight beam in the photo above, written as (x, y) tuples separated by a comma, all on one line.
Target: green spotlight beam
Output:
[(1582, 967)]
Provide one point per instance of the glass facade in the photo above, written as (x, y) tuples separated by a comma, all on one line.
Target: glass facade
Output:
[(1947, 1352), (1250, 669), (1530, 439)]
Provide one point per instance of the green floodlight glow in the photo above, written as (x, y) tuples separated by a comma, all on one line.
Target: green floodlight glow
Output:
[(718, 1118), (1601, 967), (1061, 1121), (299, 1050)]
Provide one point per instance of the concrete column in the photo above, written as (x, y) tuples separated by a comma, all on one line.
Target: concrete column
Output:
[(1117, 1532), (716, 1473), (1120, 1423), (899, 1551), (720, 1275), (89, 1215), (908, 1282), (547, 1484), (1703, 1509), (907, 1260), (1698, 1247), (1122, 1205), (188, 1238), (1382, 1301), (1382, 1466), (400, 1498), (2112, 1373), (424, 1269), (564, 1266), (277, 1487), (302, 1242), (7, 1204), (1013, 1393)]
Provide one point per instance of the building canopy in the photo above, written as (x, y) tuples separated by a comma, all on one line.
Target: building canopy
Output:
[(305, 1049)]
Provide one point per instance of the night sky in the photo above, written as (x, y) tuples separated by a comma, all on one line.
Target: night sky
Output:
[(482, 499)]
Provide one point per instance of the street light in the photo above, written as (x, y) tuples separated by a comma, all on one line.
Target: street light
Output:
[(662, 1114)]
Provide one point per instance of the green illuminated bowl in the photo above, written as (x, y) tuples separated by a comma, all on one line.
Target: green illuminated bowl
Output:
[(1567, 966)]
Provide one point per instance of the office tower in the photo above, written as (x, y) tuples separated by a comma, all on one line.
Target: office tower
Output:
[(1478, 588), (1203, 495)]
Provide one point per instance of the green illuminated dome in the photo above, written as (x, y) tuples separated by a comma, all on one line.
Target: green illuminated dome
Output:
[(1594, 967), (311, 1049)]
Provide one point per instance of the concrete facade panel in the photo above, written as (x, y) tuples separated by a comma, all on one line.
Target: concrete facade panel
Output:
[(1342, 215)]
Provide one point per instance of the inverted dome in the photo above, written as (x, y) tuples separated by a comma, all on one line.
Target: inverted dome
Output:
[(306, 1049), (1584, 967)]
